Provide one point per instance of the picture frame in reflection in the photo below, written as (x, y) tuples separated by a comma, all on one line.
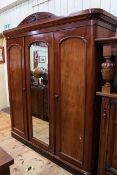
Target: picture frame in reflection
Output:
[(42, 59)]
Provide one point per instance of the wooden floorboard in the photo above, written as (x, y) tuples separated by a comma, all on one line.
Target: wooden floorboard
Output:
[(27, 161)]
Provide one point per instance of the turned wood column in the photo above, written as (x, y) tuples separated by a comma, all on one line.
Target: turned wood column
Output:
[(107, 69)]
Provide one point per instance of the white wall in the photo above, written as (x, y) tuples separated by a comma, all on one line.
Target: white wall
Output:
[(4, 98), (15, 15)]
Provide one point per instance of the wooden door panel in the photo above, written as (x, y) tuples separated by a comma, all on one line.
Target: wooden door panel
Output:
[(70, 93), (72, 59), (17, 86)]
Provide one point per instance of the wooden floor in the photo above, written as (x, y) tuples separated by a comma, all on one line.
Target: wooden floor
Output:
[(27, 161)]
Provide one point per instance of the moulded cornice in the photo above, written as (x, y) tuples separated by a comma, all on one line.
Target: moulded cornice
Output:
[(43, 20)]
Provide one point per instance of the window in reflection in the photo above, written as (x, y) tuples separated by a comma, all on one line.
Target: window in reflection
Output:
[(39, 90)]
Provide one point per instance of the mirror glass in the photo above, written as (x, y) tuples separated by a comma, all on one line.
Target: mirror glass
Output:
[(39, 90)]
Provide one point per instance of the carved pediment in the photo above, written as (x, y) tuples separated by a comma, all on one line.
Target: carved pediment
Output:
[(38, 17)]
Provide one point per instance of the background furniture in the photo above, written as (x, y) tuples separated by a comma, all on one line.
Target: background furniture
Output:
[(107, 163), (5, 161), (72, 109), (39, 102)]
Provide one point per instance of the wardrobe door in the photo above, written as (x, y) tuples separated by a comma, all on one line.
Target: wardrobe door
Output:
[(16, 74), (72, 124), (40, 89)]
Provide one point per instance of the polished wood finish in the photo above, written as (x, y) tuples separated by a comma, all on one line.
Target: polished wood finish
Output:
[(107, 163), (108, 48), (73, 118), (108, 137), (71, 95), (109, 40), (108, 68), (72, 89), (111, 95), (17, 88), (5, 161), (38, 17), (107, 51)]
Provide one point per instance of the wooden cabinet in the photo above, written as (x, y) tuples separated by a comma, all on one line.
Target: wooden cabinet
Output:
[(66, 71), (37, 104), (108, 137), (107, 159)]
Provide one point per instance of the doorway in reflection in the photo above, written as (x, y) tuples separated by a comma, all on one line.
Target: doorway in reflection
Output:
[(39, 90)]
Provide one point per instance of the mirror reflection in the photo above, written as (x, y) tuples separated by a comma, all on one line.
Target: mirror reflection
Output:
[(39, 90)]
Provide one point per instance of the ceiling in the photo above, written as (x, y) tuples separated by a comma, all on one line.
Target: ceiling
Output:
[(4, 3)]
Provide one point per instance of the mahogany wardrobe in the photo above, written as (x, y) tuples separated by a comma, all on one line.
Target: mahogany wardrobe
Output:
[(52, 85)]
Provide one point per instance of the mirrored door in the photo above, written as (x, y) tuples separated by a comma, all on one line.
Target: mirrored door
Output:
[(40, 84), (39, 90)]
